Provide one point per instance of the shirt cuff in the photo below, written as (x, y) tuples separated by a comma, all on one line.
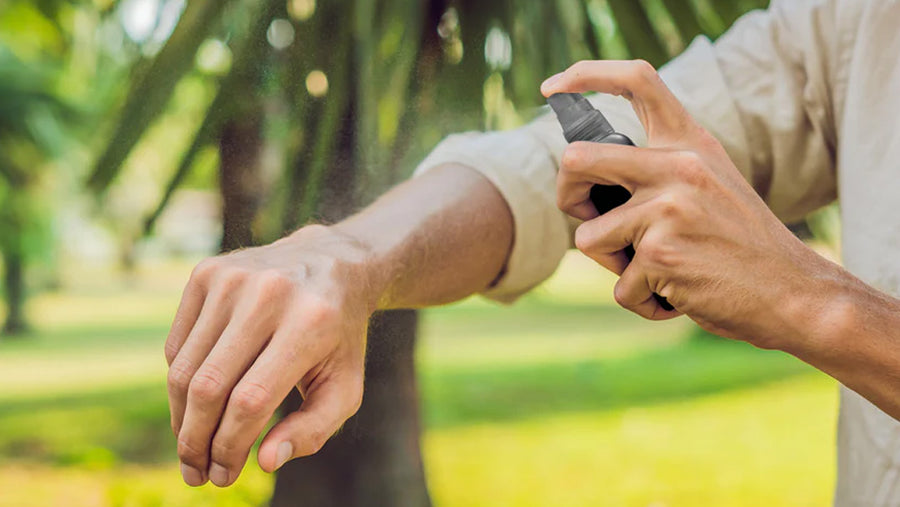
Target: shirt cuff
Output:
[(524, 173)]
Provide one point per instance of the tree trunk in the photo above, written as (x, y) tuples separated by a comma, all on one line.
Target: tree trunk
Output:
[(14, 284), (240, 182), (375, 460)]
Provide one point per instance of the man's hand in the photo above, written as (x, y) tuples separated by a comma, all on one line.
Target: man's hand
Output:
[(703, 238), (253, 325)]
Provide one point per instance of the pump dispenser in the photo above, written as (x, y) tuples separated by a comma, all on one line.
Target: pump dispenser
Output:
[(580, 121)]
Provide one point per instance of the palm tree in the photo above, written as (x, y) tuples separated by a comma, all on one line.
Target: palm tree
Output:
[(28, 136), (364, 89)]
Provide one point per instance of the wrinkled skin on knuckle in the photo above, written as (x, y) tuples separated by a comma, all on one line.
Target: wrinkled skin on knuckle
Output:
[(179, 377), (227, 454), (312, 442), (171, 351), (659, 254), (251, 400), (190, 454), (208, 385)]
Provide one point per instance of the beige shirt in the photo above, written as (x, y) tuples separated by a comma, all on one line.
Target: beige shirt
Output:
[(806, 99)]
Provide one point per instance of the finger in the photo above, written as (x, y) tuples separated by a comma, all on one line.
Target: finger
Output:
[(212, 384), (304, 432), (604, 238), (633, 293), (255, 398), (182, 370), (585, 164), (214, 316), (206, 331), (187, 313), (660, 112)]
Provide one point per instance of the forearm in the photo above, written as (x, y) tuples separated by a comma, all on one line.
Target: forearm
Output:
[(433, 239), (852, 332)]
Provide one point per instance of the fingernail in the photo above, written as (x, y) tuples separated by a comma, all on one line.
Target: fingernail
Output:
[(285, 451), (550, 80), (192, 476), (218, 475)]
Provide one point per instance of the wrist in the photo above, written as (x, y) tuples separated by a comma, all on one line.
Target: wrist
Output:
[(351, 260), (820, 315)]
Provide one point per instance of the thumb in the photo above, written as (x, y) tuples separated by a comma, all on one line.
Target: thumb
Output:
[(304, 432), (660, 112)]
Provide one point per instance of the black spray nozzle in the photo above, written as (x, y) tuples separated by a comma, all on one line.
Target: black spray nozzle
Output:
[(579, 120)]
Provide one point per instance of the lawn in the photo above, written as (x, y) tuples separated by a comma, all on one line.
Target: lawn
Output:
[(561, 399)]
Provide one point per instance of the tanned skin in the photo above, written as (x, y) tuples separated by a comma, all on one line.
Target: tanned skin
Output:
[(257, 323)]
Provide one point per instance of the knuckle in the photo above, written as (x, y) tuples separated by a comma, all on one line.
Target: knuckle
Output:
[(564, 202), (573, 157), (179, 376), (274, 281), (251, 399), (579, 67), (561, 201), (658, 253), (642, 70), (315, 441), (204, 270), (190, 453), (669, 206), (207, 385), (272, 286), (621, 298), (232, 278), (319, 312), (584, 239), (226, 452), (689, 165), (171, 351)]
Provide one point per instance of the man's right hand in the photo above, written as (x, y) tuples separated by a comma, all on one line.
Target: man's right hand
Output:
[(251, 326)]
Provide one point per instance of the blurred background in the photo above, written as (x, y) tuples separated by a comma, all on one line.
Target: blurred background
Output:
[(138, 136)]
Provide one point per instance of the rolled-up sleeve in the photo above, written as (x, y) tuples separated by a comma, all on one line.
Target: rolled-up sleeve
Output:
[(761, 90)]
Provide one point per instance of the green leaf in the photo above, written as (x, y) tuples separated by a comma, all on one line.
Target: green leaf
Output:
[(150, 91), (640, 36), (685, 18)]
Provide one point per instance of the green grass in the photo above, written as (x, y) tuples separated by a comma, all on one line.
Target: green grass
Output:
[(561, 399)]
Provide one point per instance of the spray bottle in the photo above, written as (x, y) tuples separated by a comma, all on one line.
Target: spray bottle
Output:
[(580, 121)]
